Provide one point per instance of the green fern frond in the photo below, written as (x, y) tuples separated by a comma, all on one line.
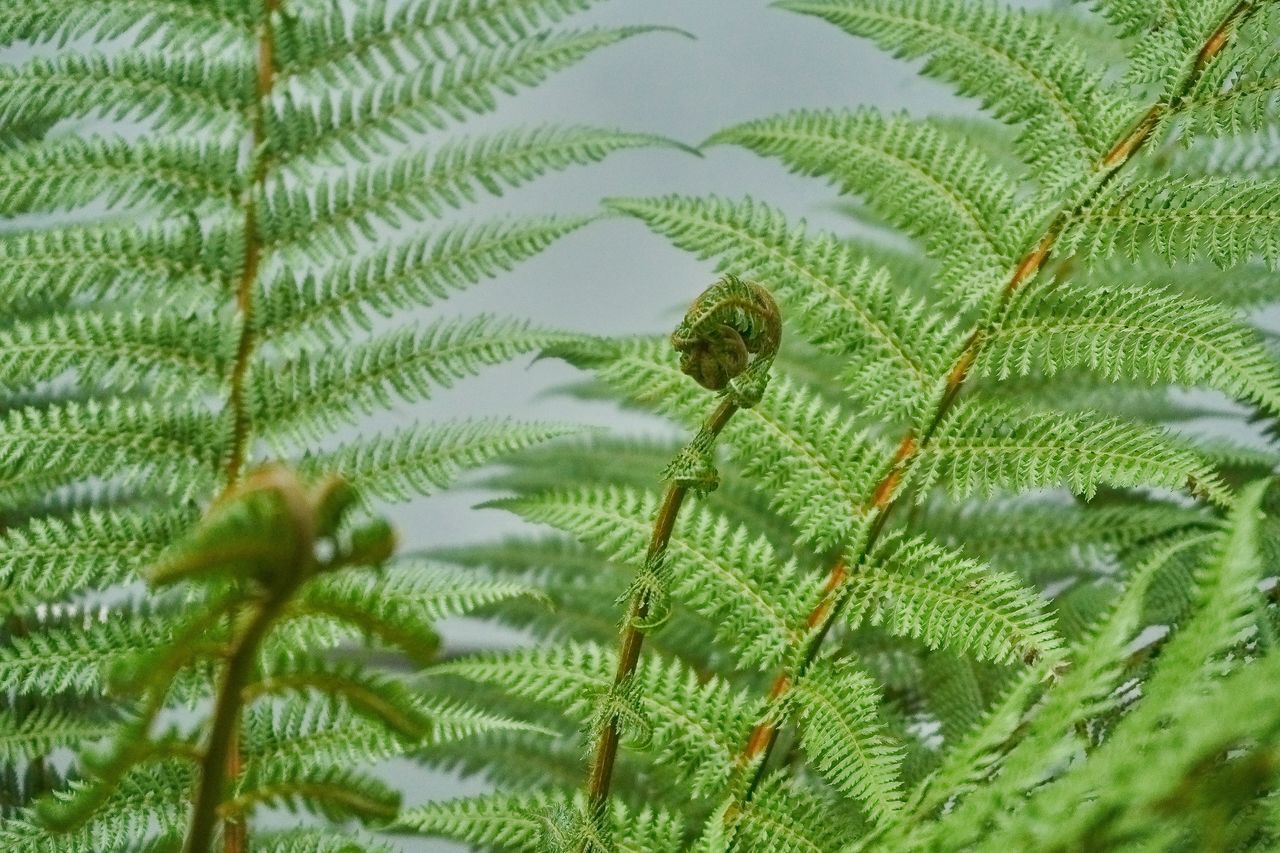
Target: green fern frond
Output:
[(694, 723), (174, 447), (75, 651), (1085, 689), (891, 350), (1123, 332), (171, 92), (350, 294), (218, 23), (96, 261), (313, 394), (51, 558), (1056, 539), (360, 123), (420, 462), (719, 570), (1016, 63), (1226, 220), (919, 589), (178, 175), (314, 841), (327, 221), (789, 814), (929, 182), (983, 449), (337, 51), (147, 807), (178, 355), (338, 794), (523, 821), (412, 592), (35, 733), (844, 738)]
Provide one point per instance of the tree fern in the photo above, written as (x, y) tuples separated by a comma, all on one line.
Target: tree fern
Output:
[(1052, 307), (221, 215)]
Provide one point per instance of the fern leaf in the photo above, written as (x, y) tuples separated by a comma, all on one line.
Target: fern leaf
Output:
[(891, 348), (350, 294), (1226, 220), (784, 813), (719, 571), (1126, 332), (172, 92), (920, 589), (51, 558), (983, 448), (844, 738), (179, 354), (361, 122), (694, 723), (314, 841), (76, 652), (338, 794), (50, 176), (1080, 693), (326, 221), (925, 180), (92, 262), (524, 821), (149, 805), (172, 447), (420, 462), (313, 394), (210, 25), (1016, 63), (38, 732), (335, 51)]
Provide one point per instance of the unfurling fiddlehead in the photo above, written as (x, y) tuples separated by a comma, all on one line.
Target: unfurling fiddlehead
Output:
[(249, 561), (727, 342)]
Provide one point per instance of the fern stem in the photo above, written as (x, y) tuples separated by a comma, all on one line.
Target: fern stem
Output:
[(240, 426), (755, 755), (235, 832), (638, 613), (727, 342), (222, 753)]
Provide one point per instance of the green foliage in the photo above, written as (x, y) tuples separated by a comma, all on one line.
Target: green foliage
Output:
[(222, 219), (987, 555)]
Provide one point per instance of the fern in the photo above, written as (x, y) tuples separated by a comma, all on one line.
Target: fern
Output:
[(221, 216), (980, 461)]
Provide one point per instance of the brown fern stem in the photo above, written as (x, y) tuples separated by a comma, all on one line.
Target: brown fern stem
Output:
[(759, 746), (234, 831), (633, 636), (240, 426), (221, 756)]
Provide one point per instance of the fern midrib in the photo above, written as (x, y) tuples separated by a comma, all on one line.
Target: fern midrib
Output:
[(760, 745)]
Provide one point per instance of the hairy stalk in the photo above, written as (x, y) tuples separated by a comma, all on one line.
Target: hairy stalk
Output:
[(754, 758), (235, 833), (216, 767), (252, 246), (727, 342)]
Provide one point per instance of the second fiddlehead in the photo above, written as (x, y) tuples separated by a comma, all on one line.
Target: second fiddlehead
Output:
[(727, 342)]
